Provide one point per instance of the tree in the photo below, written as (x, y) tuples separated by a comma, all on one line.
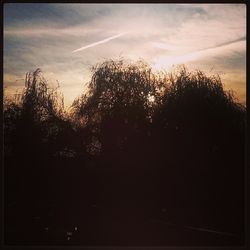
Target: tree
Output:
[(119, 102), (117, 110), (200, 146)]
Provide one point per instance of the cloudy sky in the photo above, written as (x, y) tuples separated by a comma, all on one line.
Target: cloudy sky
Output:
[(65, 40)]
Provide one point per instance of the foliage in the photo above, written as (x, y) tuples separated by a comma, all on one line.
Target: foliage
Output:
[(37, 116), (117, 86), (136, 140)]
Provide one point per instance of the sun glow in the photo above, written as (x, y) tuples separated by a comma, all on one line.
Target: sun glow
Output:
[(165, 62)]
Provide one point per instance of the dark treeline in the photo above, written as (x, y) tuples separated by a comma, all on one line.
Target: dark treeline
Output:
[(137, 152)]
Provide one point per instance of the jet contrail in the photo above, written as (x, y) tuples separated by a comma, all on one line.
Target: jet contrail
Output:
[(100, 42)]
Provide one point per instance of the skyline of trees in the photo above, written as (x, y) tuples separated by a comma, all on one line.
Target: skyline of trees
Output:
[(135, 144)]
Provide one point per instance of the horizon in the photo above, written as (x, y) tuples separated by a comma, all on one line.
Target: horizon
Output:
[(65, 40)]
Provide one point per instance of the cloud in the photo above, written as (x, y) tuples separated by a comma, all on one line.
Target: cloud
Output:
[(194, 34), (218, 52), (44, 31)]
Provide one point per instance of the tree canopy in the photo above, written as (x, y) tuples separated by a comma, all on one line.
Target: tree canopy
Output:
[(135, 140)]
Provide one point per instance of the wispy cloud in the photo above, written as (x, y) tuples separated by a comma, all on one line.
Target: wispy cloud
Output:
[(99, 42), (31, 32), (222, 51)]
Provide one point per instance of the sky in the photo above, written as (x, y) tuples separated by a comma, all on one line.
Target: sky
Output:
[(66, 40)]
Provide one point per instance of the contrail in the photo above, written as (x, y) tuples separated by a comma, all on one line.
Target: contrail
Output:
[(100, 42)]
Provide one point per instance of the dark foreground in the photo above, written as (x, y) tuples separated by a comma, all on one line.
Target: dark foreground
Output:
[(104, 227), (76, 208)]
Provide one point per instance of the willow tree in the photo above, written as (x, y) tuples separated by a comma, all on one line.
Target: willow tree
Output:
[(117, 112), (200, 145), (119, 104), (41, 114)]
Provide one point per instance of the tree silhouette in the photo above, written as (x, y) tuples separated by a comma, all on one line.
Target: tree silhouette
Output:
[(34, 132), (118, 111), (138, 146), (119, 95), (201, 129)]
